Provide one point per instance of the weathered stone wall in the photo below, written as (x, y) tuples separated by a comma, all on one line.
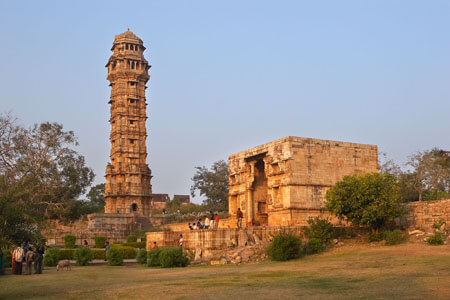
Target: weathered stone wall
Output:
[(284, 182), (422, 215), (115, 227), (210, 242)]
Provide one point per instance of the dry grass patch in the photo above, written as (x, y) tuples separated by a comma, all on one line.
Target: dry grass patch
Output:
[(408, 271)]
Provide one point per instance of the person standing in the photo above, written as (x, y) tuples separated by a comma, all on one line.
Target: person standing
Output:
[(29, 257), (12, 262), (216, 221), (38, 259), (211, 222), (2, 272), (18, 258), (207, 222), (239, 216), (107, 246), (181, 241)]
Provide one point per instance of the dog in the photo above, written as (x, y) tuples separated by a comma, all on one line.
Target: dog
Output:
[(63, 264)]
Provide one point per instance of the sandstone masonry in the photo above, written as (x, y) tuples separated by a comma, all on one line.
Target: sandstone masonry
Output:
[(128, 188), (283, 183)]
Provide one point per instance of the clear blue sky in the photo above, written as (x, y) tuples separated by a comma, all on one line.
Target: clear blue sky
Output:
[(231, 75)]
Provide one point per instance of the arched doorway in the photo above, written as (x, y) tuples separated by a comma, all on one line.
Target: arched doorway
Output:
[(260, 193)]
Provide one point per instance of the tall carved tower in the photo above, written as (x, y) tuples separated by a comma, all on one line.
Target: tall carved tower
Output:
[(128, 188)]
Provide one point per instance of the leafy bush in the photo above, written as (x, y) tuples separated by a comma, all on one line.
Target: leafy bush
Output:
[(436, 239), (141, 257), (69, 241), (132, 238), (285, 247), (320, 229), (98, 253), (7, 259), (139, 245), (370, 200), (437, 225), (51, 257), (375, 236), (126, 251), (83, 256), (100, 242), (153, 258), (314, 245), (66, 254), (114, 257), (393, 237), (173, 257)]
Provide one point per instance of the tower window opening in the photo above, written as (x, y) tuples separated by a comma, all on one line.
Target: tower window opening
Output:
[(132, 83), (131, 141), (131, 121), (126, 46), (114, 121), (137, 65), (132, 65), (128, 64)]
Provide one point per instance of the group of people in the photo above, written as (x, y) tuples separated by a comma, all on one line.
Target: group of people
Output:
[(208, 223), (27, 254)]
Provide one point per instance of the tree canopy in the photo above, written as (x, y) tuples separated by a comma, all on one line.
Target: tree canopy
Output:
[(370, 200), (213, 184), (425, 176), (41, 176)]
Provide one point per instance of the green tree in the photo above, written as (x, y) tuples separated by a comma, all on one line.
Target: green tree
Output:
[(370, 200), (40, 173), (96, 198), (430, 171), (213, 184)]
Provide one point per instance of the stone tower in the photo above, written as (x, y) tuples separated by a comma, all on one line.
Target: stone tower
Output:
[(128, 188)]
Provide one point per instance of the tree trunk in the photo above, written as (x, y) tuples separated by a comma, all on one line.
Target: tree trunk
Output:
[(420, 196)]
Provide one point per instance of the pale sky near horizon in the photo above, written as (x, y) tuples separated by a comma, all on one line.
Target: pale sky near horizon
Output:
[(232, 75)]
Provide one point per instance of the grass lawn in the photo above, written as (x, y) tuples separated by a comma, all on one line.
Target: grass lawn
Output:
[(409, 271)]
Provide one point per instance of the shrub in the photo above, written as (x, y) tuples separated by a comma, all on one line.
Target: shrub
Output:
[(314, 245), (100, 242), (132, 238), (98, 253), (51, 257), (437, 225), (436, 239), (153, 258), (139, 245), (83, 256), (66, 254), (375, 236), (141, 257), (285, 247), (393, 237), (69, 241), (7, 259), (126, 251), (320, 229), (114, 257), (173, 257), (370, 200)]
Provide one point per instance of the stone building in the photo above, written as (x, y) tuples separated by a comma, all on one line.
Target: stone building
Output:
[(283, 183), (128, 188)]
